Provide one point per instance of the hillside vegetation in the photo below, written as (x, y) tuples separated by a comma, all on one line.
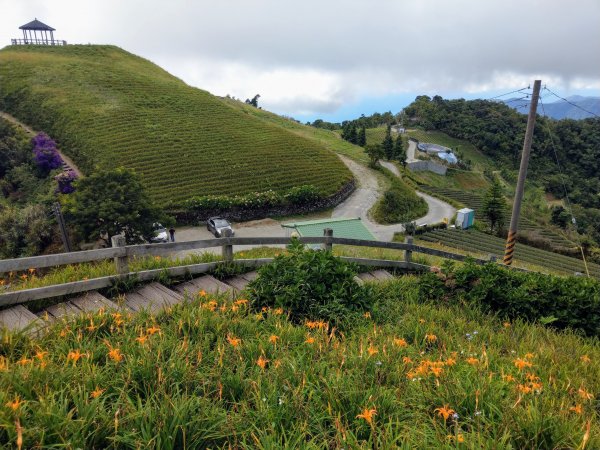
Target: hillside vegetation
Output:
[(108, 108), (214, 373)]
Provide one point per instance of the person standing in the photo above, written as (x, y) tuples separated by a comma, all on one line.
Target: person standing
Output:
[(172, 234)]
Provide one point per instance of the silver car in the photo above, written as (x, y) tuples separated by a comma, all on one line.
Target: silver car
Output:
[(219, 226)]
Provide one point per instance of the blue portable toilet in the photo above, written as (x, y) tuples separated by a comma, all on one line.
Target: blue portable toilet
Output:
[(465, 218)]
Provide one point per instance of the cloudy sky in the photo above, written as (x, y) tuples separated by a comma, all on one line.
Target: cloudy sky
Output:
[(336, 59)]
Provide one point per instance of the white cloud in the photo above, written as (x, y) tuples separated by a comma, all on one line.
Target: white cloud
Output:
[(318, 55)]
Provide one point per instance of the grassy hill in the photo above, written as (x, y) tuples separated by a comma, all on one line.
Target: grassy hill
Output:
[(108, 108)]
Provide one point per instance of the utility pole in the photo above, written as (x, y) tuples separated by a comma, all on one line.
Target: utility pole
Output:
[(514, 220), (61, 224)]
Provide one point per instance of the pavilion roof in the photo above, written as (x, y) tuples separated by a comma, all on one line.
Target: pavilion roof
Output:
[(36, 25)]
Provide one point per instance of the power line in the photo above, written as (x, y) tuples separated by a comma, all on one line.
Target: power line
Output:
[(508, 93), (571, 103)]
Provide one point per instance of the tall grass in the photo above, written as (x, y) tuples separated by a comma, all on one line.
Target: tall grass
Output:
[(211, 373)]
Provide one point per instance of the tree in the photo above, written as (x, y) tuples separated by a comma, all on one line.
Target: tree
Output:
[(400, 151), (375, 153), (254, 101), (494, 206), (352, 135), (112, 202), (388, 143), (362, 137), (560, 217)]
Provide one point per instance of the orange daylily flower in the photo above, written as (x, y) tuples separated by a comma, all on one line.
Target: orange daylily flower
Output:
[(31, 270), (262, 362), (273, 339), (444, 411), (15, 404), (506, 324), (368, 415), (75, 355), (202, 293), (430, 338), (40, 354), (310, 340), (450, 362), (399, 342), (23, 361), (234, 341), (577, 409), (472, 361), (241, 301), (521, 363), (406, 360), (278, 311), (585, 359), (97, 392), (372, 350), (437, 371), (585, 394), (142, 339), (115, 354), (367, 315), (508, 378), (152, 330)]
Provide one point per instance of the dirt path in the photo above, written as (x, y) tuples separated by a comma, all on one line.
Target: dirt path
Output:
[(69, 162)]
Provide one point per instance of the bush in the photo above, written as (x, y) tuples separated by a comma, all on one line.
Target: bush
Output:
[(399, 204), (311, 285), (569, 302)]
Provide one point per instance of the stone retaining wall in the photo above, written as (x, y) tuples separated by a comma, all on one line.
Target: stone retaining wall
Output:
[(239, 214)]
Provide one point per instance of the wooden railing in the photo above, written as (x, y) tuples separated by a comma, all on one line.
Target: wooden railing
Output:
[(121, 254), (38, 42)]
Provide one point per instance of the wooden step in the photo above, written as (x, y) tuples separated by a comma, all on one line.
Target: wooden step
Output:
[(237, 283), (63, 310), (366, 277), (18, 318), (92, 302), (206, 283), (152, 297), (381, 274)]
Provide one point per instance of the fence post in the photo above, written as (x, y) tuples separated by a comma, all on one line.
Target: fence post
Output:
[(227, 248), (408, 253), (328, 233), (121, 262)]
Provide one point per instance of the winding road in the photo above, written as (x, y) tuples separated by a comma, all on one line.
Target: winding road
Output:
[(369, 191)]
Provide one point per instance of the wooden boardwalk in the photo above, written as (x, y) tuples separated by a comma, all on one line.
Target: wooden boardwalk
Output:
[(151, 297)]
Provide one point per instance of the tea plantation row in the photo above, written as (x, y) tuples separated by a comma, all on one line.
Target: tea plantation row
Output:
[(109, 108)]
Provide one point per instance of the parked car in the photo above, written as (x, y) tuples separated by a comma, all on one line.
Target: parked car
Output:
[(160, 234), (218, 225)]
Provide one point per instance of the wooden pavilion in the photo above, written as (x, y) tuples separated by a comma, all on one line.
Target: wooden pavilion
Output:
[(36, 33)]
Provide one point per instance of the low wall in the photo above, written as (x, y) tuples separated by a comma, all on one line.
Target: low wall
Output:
[(195, 217), (432, 166)]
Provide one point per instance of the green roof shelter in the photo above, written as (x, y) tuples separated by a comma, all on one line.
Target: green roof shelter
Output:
[(342, 227)]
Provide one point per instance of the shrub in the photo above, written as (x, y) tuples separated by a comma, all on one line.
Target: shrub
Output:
[(399, 204), (565, 302), (45, 153), (311, 285)]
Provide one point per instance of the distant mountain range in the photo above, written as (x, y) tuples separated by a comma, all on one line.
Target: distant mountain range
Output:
[(561, 109)]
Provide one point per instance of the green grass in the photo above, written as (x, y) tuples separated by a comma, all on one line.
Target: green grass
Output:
[(176, 380), (398, 204), (107, 107)]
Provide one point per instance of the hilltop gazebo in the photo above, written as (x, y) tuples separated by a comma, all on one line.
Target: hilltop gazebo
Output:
[(36, 33)]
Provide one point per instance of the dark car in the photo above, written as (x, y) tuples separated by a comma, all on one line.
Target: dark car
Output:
[(219, 226)]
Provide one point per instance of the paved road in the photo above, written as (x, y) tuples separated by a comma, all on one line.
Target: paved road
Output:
[(410, 153)]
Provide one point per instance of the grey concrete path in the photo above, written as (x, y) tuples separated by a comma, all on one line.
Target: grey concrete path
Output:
[(410, 153), (69, 162)]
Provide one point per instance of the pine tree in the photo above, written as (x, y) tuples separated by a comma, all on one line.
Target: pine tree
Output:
[(388, 143), (362, 137), (352, 135), (400, 151), (494, 206)]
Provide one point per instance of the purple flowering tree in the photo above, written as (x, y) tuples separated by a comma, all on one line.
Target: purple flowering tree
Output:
[(65, 181), (45, 153)]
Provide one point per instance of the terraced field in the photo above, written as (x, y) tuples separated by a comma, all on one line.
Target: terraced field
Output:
[(475, 201), (108, 108), (478, 242)]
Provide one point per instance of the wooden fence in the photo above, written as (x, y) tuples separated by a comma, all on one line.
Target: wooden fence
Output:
[(121, 253)]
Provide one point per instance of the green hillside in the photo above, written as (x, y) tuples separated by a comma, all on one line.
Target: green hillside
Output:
[(108, 108)]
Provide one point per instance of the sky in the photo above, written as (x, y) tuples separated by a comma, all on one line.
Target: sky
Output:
[(334, 59)]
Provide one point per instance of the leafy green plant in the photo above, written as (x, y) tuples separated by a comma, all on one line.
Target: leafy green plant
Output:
[(562, 302), (311, 285)]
